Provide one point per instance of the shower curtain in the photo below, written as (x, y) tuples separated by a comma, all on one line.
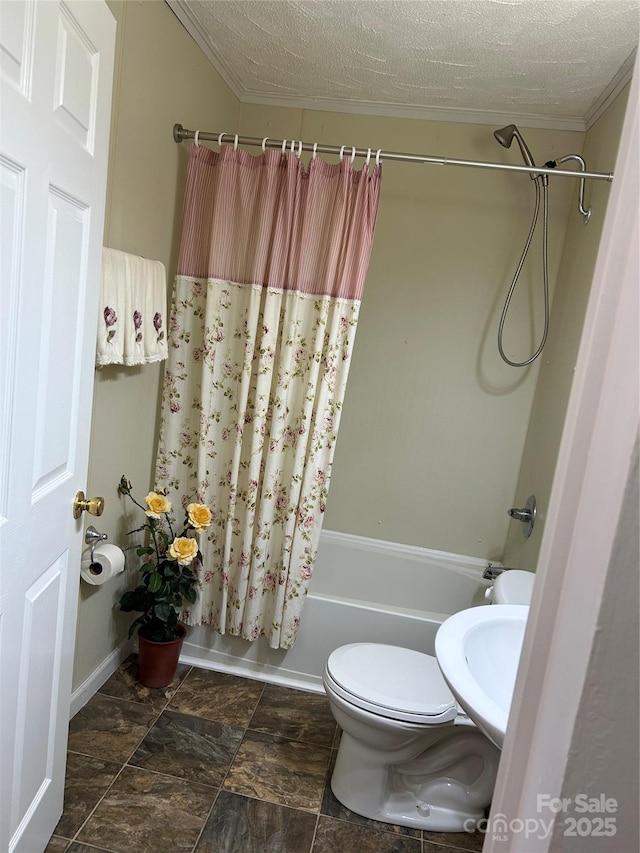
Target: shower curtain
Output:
[(273, 258)]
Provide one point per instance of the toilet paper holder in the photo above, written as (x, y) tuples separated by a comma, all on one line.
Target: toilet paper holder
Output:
[(93, 537)]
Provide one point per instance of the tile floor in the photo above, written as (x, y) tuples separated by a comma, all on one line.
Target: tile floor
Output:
[(215, 763)]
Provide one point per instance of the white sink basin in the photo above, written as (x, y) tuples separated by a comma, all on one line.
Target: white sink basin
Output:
[(478, 651)]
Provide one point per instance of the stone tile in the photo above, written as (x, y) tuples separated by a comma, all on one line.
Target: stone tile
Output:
[(333, 835), (217, 696), (280, 771), (149, 813), (84, 848), (57, 844), (189, 747), (430, 847), (334, 808), (85, 784), (294, 714), (458, 840), (239, 825), (109, 728), (124, 684)]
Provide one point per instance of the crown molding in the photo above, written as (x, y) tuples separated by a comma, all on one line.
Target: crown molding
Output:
[(183, 13), (447, 114), (612, 91), (444, 114)]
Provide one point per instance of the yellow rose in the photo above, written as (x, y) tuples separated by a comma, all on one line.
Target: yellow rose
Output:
[(183, 550), (199, 516), (157, 504)]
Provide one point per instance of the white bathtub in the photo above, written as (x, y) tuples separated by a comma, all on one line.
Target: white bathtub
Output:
[(362, 590)]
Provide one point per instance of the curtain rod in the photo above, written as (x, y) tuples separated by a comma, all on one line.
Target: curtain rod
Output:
[(181, 133)]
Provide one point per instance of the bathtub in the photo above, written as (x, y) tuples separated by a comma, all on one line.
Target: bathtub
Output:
[(362, 590)]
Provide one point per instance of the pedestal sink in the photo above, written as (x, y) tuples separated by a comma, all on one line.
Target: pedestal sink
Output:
[(478, 651)]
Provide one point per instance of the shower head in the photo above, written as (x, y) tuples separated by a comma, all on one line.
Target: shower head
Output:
[(505, 137)]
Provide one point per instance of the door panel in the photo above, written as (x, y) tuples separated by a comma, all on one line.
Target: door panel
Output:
[(17, 45), (12, 200), (64, 272), (39, 666)]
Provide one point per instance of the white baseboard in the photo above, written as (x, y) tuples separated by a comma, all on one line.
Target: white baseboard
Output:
[(102, 673), (210, 659)]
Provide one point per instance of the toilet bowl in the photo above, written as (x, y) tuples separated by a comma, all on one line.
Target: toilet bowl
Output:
[(408, 754)]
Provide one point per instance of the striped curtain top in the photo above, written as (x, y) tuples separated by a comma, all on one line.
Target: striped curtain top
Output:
[(270, 221)]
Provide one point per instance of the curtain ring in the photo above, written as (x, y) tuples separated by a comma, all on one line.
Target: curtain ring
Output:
[(368, 160), (293, 144), (342, 147), (353, 154), (299, 148), (284, 145), (220, 139), (264, 145), (235, 143), (315, 150), (378, 153), (195, 138)]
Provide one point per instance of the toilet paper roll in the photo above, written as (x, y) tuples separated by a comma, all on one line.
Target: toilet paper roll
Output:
[(108, 560)]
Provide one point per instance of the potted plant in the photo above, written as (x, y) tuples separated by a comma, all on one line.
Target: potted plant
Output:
[(169, 578)]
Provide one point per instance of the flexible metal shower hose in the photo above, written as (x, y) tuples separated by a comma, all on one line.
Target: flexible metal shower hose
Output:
[(545, 264)]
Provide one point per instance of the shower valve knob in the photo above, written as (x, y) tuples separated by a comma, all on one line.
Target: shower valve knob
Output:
[(520, 514), (525, 514)]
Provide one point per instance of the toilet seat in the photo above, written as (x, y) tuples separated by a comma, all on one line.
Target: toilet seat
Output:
[(392, 682)]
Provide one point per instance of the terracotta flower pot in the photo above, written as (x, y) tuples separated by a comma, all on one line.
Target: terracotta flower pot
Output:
[(158, 662)]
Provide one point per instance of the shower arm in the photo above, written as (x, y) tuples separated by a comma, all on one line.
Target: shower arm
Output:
[(585, 213)]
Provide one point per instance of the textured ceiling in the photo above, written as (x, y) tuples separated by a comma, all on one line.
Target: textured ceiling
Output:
[(551, 59)]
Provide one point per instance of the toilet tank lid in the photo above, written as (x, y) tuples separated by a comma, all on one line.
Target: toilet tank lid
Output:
[(393, 678), (513, 587)]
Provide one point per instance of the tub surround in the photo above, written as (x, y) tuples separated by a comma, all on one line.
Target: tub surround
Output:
[(558, 361)]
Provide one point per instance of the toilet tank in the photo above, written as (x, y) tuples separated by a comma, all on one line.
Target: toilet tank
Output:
[(512, 586)]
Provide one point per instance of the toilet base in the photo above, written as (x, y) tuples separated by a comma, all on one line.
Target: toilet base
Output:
[(402, 809), (410, 793)]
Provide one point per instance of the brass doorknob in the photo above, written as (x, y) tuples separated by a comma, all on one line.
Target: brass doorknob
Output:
[(94, 506)]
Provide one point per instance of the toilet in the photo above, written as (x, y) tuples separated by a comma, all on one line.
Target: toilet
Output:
[(408, 754)]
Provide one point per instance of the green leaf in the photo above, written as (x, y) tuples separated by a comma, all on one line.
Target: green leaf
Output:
[(163, 611), (155, 582), (164, 593), (141, 550), (128, 602), (134, 624)]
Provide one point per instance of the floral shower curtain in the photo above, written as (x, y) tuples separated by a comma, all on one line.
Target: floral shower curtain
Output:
[(272, 264)]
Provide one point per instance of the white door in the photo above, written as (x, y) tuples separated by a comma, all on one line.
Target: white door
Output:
[(56, 63)]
